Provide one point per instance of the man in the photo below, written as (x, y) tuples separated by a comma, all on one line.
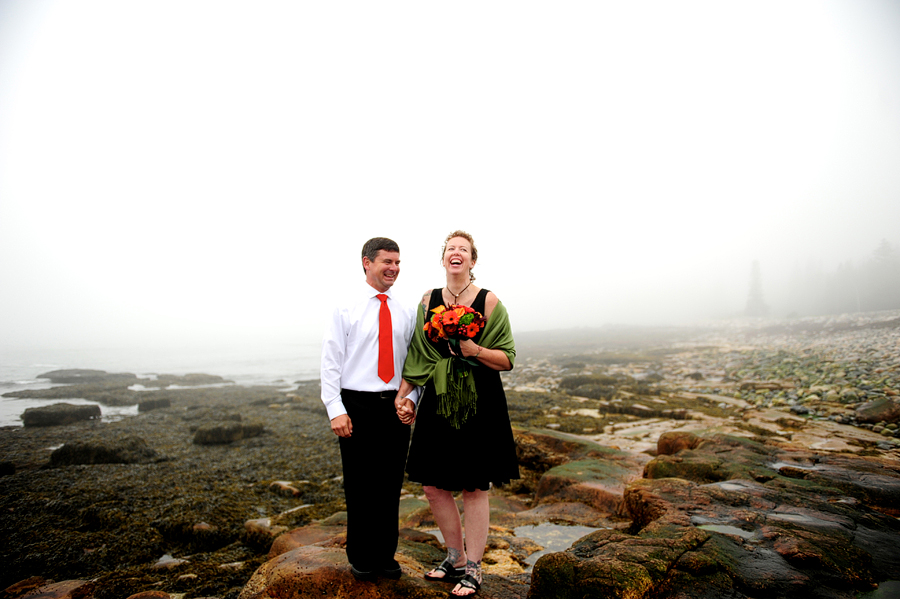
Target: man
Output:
[(362, 362)]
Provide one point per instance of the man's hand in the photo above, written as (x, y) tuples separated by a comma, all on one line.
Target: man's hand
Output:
[(341, 425)]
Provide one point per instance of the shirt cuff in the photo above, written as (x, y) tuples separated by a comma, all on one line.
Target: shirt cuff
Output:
[(414, 395), (335, 408)]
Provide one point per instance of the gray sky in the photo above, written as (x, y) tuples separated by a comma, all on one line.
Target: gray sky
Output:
[(179, 169)]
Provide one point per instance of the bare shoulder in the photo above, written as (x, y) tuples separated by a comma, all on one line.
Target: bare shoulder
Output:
[(426, 298), (490, 302)]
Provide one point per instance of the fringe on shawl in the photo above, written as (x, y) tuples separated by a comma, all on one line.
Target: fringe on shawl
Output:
[(460, 399)]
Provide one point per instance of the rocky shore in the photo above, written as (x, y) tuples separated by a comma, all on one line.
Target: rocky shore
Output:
[(741, 460)]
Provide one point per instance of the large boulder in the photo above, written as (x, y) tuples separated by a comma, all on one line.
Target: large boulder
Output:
[(580, 471), (307, 535), (314, 571), (559, 467), (599, 484), (883, 409), (126, 450), (59, 414)]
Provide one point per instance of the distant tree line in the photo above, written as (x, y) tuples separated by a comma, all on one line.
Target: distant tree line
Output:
[(872, 285)]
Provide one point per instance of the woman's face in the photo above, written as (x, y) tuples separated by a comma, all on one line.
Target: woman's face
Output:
[(458, 256)]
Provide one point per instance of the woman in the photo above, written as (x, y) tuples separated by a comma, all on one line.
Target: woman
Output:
[(463, 439)]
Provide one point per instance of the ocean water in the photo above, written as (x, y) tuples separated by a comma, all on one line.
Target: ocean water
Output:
[(279, 364)]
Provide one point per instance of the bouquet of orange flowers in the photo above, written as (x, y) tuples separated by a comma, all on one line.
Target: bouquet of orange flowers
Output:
[(454, 323)]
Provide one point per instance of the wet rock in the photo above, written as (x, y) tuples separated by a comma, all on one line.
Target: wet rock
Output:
[(307, 535), (220, 434), (569, 512), (262, 531), (582, 471), (283, 487), (126, 450), (313, 571), (67, 589), (596, 483), (150, 595), (59, 414), (23, 586), (673, 442), (766, 528)]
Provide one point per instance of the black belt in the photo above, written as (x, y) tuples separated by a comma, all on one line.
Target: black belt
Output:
[(374, 394)]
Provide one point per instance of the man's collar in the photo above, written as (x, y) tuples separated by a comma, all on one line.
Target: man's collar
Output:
[(372, 292)]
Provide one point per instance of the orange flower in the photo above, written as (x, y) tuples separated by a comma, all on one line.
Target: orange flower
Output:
[(453, 322)]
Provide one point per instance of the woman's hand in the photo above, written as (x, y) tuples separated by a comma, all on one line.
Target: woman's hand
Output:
[(469, 348), (492, 358)]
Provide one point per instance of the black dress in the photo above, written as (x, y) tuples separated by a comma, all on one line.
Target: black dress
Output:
[(482, 451)]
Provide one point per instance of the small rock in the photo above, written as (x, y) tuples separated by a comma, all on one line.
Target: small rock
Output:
[(283, 487), (167, 562)]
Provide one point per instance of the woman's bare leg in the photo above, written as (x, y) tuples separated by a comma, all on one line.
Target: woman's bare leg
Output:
[(478, 520), (446, 515)]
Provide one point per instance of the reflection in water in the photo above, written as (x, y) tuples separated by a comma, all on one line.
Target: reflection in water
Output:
[(889, 589), (552, 537), (13, 408), (728, 530)]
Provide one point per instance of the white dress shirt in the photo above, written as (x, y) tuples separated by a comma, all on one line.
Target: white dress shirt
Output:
[(350, 348)]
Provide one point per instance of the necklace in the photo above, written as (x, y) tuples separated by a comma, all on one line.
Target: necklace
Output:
[(456, 295)]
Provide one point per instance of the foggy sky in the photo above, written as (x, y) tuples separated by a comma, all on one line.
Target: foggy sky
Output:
[(183, 170)]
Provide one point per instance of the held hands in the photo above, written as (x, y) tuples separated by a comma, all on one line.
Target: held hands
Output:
[(406, 409)]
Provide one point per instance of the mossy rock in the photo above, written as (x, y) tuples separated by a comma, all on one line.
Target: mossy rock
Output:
[(127, 450), (229, 432), (60, 414)]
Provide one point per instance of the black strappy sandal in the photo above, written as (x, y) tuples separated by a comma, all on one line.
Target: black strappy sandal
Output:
[(449, 570), (470, 582)]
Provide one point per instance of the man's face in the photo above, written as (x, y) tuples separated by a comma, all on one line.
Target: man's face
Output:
[(382, 272)]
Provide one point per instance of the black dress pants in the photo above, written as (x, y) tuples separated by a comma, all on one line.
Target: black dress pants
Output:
[(374, 459)]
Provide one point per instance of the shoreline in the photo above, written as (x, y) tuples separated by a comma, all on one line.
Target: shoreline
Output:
[(114, 522)]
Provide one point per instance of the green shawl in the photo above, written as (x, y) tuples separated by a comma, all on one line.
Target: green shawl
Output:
[(453, 380)]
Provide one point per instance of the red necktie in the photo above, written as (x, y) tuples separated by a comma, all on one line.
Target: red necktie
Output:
[(385, 341)]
